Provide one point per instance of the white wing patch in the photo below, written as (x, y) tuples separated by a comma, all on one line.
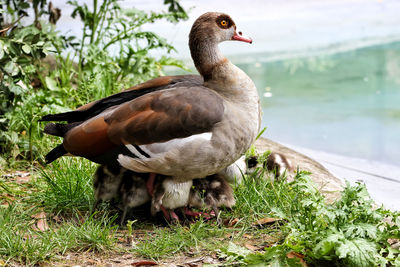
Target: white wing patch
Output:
[(157, 148), (135, 151)]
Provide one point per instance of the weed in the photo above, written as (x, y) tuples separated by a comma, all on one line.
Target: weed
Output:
[(68, 186)]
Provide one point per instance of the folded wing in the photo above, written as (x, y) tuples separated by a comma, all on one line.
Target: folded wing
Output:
[(177, 110)]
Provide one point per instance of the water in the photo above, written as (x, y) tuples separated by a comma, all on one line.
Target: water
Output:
[(346, 103)]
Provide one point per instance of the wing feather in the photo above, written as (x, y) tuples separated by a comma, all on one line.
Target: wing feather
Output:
[(155, 117)]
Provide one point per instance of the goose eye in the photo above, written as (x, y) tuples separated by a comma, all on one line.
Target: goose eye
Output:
[(224, 23)]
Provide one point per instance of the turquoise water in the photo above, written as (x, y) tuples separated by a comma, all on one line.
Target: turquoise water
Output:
[(346, 103)]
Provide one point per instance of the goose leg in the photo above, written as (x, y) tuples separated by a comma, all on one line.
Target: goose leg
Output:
[(124, 215), (96, 203), (170, 215), (173, 216), (150, 183), (166, 213)]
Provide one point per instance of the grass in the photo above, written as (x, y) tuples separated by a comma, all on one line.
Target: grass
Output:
[(333, 234), (19, 242), (67, 186)]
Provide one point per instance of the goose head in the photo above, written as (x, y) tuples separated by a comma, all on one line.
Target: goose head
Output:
[(207, 32), (215, 27)]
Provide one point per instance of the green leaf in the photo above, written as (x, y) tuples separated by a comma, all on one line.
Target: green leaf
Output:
[(16, 89), (11, 68), (357, 252), (233, 253), (325, 248), (360, 230), (2, 48), (274, 256), (26, 48), (237, 250), (51, 84)]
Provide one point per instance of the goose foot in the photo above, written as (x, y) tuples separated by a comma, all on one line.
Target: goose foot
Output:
[(197, 214), (170, 215)]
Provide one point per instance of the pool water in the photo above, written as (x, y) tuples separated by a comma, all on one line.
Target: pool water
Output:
[(346, 103)]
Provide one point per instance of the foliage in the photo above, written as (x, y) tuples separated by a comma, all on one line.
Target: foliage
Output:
[(111, 28), (113, 53), (20, 53), (348, 232), (274, 256)]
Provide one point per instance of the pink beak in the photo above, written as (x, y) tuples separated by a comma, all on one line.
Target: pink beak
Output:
[(239, 37)]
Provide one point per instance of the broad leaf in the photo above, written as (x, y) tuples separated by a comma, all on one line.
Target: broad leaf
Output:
[(51, 84), (357, 252)]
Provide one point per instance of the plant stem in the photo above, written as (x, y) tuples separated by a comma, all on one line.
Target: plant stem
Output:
[(95, 21)]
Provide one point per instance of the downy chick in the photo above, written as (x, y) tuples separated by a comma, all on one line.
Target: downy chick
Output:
[(211, 192), (116, 183), (106, 183), (278, 164), (170, 195), (234, 172), (133, 191)]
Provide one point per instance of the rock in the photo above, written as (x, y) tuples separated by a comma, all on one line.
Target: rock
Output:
[(329, 185)]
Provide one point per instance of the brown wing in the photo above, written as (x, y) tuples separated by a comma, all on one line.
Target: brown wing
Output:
[(96, 107), (155, 117)]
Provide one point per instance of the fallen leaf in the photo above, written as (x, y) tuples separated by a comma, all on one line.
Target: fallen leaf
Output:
[(57, 219), (127, 256), (41, 223), (251, 247), (231, 223), (394, 243), (143, 263), (91, 262), (8, 196), (193, 261), (39, 215), (5, 204), (23, 179), (266, 221), (299, 256), (117, 260)]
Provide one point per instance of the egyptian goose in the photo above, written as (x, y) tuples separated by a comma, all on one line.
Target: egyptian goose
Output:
[(186, 126)]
